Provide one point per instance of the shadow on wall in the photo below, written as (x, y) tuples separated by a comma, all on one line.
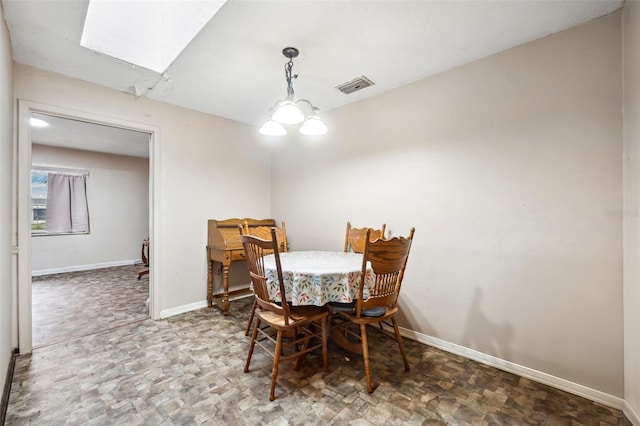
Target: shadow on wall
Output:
[(484, 335), (408, 320)]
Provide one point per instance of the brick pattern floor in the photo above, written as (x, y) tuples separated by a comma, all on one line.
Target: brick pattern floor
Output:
[(75, 304), (188, 370)]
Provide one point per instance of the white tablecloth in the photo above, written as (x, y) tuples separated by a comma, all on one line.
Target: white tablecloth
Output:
[(316, 277)]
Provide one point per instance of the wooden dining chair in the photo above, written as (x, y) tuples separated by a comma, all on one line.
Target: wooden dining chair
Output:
[(285, 332), (283, 245), (264, 232), (387, 260), (355, 237), (144, 255)]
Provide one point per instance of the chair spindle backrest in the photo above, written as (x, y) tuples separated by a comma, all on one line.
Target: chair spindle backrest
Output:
[(388, 260), (255, 250), (355, 238)]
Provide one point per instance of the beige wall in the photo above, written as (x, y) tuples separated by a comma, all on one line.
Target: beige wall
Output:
[(6, 199), (510, 170), (118, 197), (200, 172), (631, 71)]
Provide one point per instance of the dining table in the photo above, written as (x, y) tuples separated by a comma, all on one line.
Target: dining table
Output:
[(318, 278)]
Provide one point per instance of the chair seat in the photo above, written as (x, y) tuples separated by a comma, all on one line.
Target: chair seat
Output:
[(307, 311), (350, 308), (351, 316), (302, 314)]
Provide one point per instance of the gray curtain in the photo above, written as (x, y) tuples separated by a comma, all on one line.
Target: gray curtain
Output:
[(67, 209)]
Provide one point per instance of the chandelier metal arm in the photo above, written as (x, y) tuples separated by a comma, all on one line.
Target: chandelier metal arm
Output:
[(311, 106), (287, 74)]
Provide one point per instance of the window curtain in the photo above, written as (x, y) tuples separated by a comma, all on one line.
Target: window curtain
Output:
[(67, 209)]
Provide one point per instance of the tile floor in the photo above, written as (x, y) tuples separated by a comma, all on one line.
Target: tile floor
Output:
[(76, 304), (188, 369)]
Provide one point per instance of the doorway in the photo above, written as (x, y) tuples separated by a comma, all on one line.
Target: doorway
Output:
[(26, 110), (86, 242)]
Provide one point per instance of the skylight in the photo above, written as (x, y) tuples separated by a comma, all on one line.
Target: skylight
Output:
[(147, 33)]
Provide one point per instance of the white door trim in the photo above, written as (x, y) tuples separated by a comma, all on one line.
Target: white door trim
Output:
[(23, 200)]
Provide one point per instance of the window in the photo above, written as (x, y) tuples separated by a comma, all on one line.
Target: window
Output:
[(58, 202), (38, 201)]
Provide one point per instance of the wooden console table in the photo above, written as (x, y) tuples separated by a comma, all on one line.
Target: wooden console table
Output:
[(224, 246)]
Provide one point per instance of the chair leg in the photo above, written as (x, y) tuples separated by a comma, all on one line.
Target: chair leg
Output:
[(253, 311), (325, 333), (365, 356), (276, 363), (252, 345), (300, 347), (399, 339)]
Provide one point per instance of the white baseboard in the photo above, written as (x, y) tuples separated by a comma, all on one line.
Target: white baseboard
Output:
[(510, 367), (631, 414), (83, 267), (193, 306), (520, 370), (182, 309)]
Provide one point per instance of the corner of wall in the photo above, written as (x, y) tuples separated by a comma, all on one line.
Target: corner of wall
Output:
[(631, 223), (7, 253)]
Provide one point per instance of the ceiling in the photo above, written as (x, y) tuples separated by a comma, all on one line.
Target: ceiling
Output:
[(234, 67), (67, 133)]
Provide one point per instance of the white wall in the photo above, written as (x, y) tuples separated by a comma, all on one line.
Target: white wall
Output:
[(631, 71), (118, 198), (7, 299), (203, 172), (510, 170)]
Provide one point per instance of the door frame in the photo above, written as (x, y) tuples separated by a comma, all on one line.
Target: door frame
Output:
[(22, 159)]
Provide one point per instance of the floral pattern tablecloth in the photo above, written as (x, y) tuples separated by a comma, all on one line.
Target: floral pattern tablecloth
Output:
[(316, 277)]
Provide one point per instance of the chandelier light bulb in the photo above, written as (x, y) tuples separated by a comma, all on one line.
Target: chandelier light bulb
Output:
[(313, 126), (272, 128), (288, 113)]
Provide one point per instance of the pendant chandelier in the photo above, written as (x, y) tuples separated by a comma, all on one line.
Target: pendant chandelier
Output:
[(288, 111)]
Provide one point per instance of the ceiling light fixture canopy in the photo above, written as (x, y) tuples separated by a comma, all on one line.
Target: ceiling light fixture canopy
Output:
[(289, 111)]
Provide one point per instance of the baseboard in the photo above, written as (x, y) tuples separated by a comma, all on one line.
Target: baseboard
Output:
[(193, 306), (510, 367), (182, 309), (631, 414), (4, 404), (84, 267)]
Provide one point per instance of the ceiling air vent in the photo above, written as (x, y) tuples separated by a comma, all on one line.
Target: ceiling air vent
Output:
[(355, 85)]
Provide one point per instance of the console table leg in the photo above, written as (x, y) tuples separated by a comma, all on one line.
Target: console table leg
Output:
[(210, 283), (225, 291)]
